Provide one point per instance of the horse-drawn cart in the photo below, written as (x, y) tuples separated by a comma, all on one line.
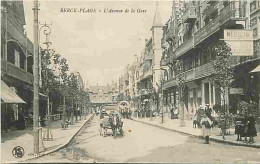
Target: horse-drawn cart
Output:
[(113, 122)]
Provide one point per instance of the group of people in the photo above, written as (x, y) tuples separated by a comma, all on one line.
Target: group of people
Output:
[(126, 113), (199, 114), (245, 127)]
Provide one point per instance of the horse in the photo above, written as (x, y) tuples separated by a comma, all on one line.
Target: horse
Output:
[(114, 122)]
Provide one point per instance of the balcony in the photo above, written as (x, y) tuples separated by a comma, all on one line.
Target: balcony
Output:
[(227, 17), (210, 9), (16, 72), (189, 75), (184, 47), (170, 83), (190, 14), (206, 31), (204, 70), (16, 33), (147, 74), (230, 14), (170, 34)]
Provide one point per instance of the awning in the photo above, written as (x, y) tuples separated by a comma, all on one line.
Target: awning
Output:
[(257, 69), (8, 96)]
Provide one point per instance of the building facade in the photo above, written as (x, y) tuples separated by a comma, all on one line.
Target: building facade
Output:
[(101, 95), (16, 61), (192, 30)]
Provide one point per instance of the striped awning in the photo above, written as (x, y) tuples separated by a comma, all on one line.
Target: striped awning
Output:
[(8, 96)]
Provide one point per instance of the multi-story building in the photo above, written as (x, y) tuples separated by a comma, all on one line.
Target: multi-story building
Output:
[(149, 69), (16, 62), (100, 94), (192, 30), (141, 78)]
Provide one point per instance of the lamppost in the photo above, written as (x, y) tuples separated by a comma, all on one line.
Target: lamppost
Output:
[(47, 32)]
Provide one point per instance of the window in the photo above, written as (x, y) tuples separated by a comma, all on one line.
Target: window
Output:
[(253, 21), (17, 58)]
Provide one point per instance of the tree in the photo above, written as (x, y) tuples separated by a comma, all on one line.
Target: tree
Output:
[(223, 72), (73, 92), (181, 87), (246, 109)]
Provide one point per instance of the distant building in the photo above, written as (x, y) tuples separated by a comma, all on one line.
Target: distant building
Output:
[(101, 94)]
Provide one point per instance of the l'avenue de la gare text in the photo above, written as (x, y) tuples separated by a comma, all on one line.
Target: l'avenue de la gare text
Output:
[(105, 10)]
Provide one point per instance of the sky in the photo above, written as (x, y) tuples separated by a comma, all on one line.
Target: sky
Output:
[(97, 45)]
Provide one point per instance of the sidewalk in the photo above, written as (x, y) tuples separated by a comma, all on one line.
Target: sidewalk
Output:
[(24, 138), (173, 125)]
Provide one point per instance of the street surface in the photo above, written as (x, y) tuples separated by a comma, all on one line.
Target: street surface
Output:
[(144, 143)]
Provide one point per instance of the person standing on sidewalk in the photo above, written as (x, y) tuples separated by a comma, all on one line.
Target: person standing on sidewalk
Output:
[(223, 125), (195, 119), (206, 128), (251, 129)]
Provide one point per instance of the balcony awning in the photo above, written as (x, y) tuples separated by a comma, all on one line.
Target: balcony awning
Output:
[(8, 96), (257, 69)]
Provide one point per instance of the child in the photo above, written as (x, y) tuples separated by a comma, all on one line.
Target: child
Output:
[(195, 119)]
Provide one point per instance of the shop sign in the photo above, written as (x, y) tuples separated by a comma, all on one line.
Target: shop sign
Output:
[(234, 91), (240, 41)]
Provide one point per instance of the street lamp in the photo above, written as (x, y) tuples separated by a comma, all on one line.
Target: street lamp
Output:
[(164, 68), (47, 32)]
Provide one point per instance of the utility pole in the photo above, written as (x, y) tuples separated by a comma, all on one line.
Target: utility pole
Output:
[(36, 79)]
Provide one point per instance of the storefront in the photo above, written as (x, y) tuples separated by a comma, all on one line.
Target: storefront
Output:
[(11, 109)]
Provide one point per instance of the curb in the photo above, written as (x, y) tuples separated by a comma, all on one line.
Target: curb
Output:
[(164, 128), (62, 146), (195, 136)]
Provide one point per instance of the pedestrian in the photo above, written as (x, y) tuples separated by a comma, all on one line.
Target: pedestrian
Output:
[(195, 119), (206, 128), (223, 125), (251, 129), (239, 129), (208, 112), (246, 120), (200, 115)]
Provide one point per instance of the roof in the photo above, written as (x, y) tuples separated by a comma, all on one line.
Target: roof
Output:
[(157, 20)]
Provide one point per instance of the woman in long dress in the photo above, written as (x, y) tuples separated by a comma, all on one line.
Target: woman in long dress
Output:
[(206, 128)]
